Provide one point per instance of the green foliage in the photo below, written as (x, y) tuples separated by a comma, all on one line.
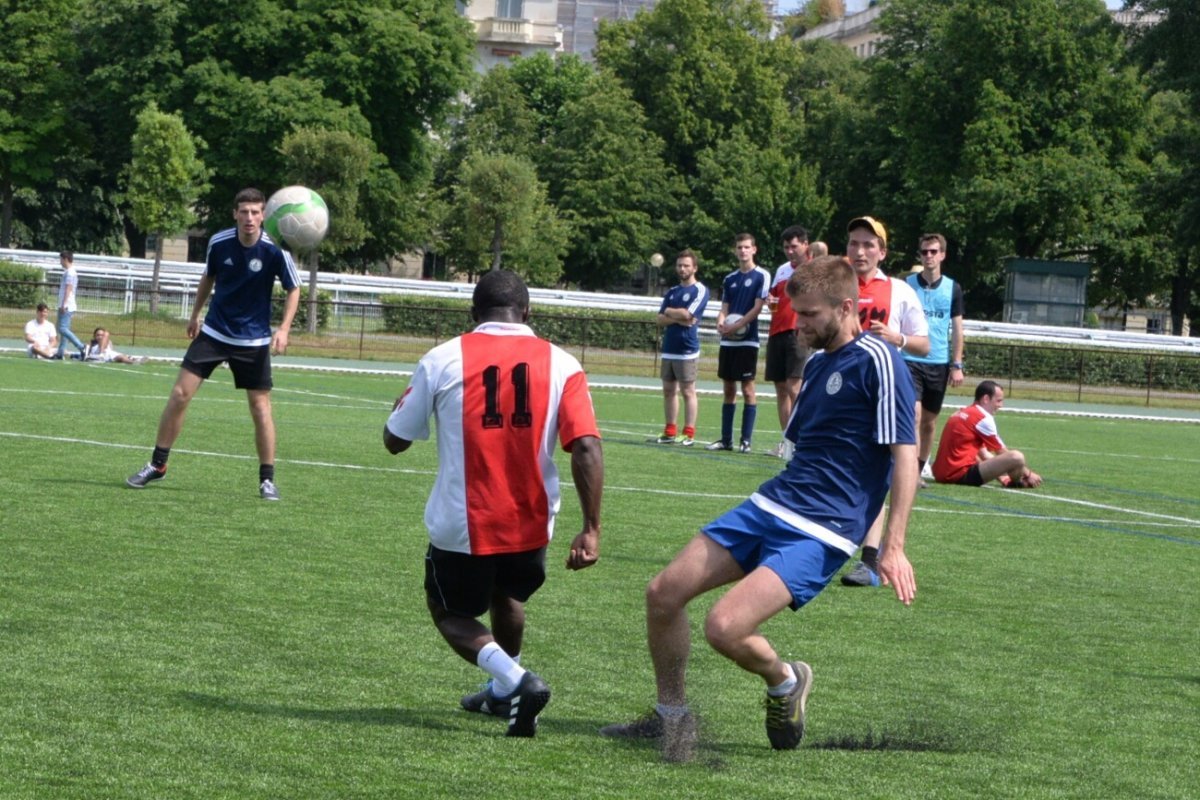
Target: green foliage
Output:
[(441, 318), (699, 70), (165, 176), (500, 216), (20, 285), (1081, 366), (300, 321), (611, 185), (1010, 127), (35, 80), (335, 165), (760, 189)]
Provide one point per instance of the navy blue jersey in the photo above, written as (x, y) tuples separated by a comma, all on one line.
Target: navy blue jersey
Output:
[(854, 404), (739, 291), (683, 341), (240, 310), (942, 302)]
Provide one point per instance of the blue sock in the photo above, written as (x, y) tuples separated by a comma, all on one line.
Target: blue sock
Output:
[(749, 413), (728, 410)]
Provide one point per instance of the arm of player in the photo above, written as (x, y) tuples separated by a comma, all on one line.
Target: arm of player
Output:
[(753, 313), (394, 444), (587, 470), (956, 350), (279, 341), (894, 567), (203, 290)]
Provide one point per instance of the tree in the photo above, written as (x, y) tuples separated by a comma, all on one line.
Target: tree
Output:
[(334, 164), (610, 183), (743, 186), (699, 70), (35, 74), (500, 216), (1167, 53), (1011, 127), (163, 181)]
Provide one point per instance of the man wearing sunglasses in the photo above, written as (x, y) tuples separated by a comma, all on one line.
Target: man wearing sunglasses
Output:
[(942, 299)]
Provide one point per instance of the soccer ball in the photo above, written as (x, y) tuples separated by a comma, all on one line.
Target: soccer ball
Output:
[(736, 333), (297, 217)]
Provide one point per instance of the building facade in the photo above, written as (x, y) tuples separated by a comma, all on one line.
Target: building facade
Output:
[(507, 29)]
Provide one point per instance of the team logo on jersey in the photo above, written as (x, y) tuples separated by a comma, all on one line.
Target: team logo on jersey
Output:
[(747, 282), (686, 297), (255, 264), (834, 384)]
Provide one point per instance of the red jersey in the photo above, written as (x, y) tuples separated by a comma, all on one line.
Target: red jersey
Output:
[(501, 397), (892, 302), (968, 431), (783, 316)]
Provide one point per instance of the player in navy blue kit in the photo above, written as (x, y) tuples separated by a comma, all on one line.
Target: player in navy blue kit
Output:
[(743, 292), (240, 272), (679, 316), (853, 428)]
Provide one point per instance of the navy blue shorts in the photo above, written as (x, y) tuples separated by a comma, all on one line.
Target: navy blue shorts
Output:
[(757, 539)]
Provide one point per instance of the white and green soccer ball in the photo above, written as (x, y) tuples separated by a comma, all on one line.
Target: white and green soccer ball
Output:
[(296, 216)]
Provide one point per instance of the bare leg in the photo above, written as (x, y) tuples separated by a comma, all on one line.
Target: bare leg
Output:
[(701, 565), (508, 623), (691, 404), (732, 624), (171, 422), (671, 401), (264, 424)]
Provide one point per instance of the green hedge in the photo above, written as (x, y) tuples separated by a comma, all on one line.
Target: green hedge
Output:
[(1163, 371), (20, 285), (300, 321), (442, 318)]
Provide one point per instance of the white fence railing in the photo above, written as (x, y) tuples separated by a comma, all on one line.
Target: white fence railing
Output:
[(176, 276)]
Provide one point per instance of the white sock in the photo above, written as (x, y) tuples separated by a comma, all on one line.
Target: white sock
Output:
[(505, 671), (785, 687)]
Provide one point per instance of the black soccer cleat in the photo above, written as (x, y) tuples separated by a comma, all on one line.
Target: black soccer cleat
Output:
[(484, 702), (145, 475), (526, 703)]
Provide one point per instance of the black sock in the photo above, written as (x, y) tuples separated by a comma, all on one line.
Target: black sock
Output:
[(159, 457), (920, 465), (266, 472), (870, 557)]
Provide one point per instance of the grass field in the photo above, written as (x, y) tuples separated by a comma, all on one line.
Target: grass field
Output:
[(192, 641)]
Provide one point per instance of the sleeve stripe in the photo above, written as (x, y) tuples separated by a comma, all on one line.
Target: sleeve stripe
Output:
[(885, 412)]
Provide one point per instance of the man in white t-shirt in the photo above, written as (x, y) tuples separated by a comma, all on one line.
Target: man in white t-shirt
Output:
[(67, 305), (40, 337)]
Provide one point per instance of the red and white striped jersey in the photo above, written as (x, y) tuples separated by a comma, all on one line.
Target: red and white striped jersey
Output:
[(500, 397)]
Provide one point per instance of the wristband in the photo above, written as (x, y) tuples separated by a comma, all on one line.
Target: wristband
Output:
[(956, 365), (903, 341)]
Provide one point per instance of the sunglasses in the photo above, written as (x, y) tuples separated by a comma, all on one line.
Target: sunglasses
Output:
[(932, 252)]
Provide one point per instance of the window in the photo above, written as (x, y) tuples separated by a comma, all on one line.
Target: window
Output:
[(510, 9)]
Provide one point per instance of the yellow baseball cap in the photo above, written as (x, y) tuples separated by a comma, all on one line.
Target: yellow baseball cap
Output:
[(875, 226)]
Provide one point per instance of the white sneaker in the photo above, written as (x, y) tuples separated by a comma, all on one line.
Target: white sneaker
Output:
[(789, 450), (927, 471)]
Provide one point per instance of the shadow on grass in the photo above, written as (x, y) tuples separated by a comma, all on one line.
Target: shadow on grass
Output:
[(406, 717), (414, 718), (917, 740)]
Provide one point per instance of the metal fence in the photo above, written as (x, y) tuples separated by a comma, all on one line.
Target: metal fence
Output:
[(360, 330)]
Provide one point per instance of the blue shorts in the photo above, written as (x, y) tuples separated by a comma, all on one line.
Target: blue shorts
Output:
[(757, 539)]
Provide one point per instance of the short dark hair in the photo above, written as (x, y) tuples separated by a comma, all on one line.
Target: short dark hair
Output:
[(687, 253), (249, 195), (928, 237), (985, 389), (66, 255), (793, 232), (43, 307), (500, 288), (832, 276), (741, 237)]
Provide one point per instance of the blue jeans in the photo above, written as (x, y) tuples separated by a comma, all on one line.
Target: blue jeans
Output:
[(65, 333)]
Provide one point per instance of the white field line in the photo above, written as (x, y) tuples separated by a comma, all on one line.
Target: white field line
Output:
[(1102, 506)]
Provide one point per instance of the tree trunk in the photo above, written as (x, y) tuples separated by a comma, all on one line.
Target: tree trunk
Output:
[(134, 238), (6, 214), (158, 251), (1183, 283), (313, 260)]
